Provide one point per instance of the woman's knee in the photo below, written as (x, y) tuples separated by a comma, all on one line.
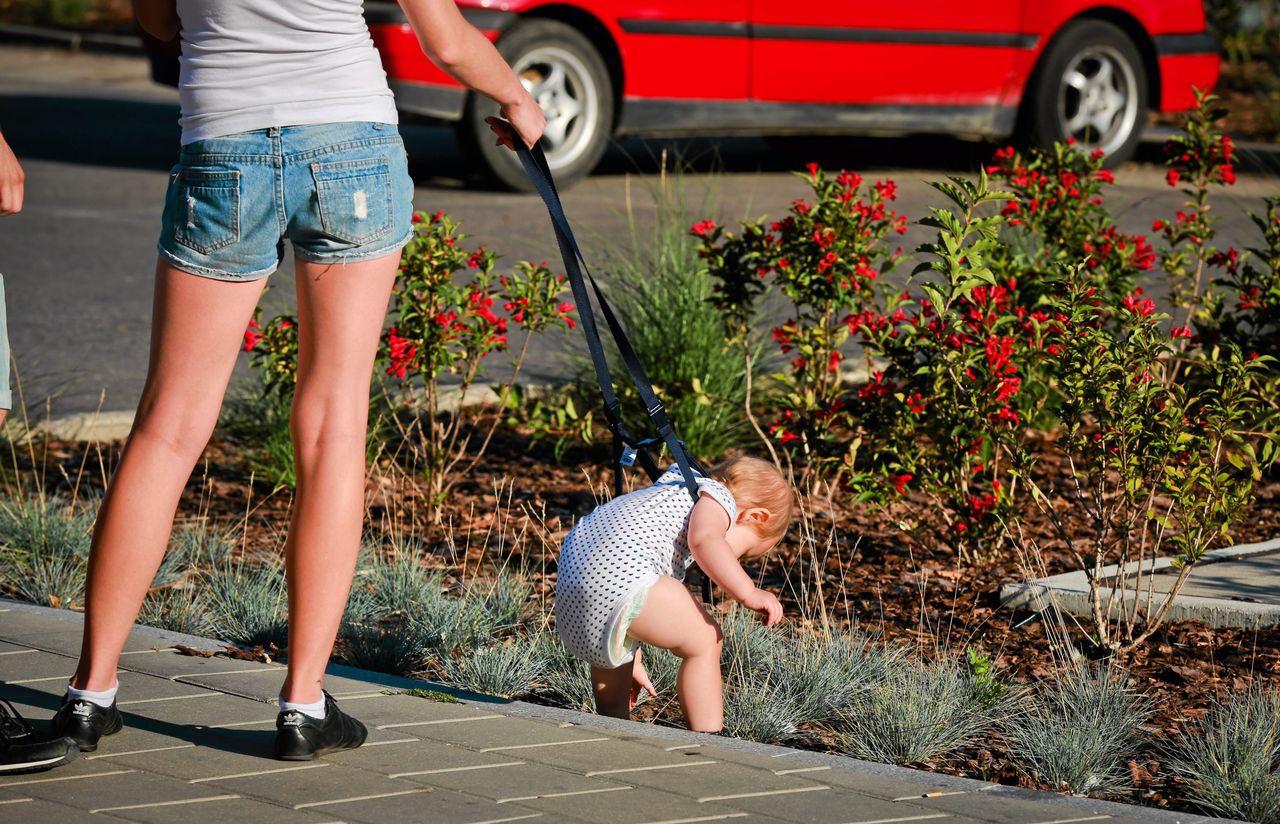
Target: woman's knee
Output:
[(175, 427), (327, 418)]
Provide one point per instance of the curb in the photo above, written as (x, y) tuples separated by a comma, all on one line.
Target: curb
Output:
[(71, 40), (1087, 807)]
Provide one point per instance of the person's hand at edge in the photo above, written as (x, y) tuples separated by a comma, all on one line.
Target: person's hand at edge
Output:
[(524, 117), (12, 181)]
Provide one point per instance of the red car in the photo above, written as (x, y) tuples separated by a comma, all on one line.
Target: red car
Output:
[(1043, 69)]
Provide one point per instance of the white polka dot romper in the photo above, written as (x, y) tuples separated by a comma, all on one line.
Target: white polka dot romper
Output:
[(614, 555)]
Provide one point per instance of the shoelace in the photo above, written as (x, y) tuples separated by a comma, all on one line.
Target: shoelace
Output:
[(12, 724)]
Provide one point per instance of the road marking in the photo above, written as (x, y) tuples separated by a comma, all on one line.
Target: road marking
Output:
[(392, 741), (141, 651), (357, 696), (547, 744), (457, 769), (258, 772), (504, 820), (16, 800), (66, 678), (905, 818), (360, 798), (136, 752), (18, 651), (795, 770), (241, 724), (699, 818), (65, 778), (683, 747), (164, 804), (647, 769), (170, 698), (762, 793), (562, 795), (930, 795), (1073, 820), (438, 721), (224, 672)]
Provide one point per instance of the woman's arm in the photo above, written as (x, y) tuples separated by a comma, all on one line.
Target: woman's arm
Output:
[(158, 18), (460, 49), (12, 188)]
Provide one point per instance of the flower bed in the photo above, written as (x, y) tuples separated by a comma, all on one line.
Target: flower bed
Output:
[(1025, 410)]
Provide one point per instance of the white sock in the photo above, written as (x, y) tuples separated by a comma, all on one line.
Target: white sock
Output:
[(315, 709), (103, 699)]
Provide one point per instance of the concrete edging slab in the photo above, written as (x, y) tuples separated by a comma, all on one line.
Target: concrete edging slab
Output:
[(1070, 591)]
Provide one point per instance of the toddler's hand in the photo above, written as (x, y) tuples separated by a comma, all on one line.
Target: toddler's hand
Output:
[(766, 604), (640, 681)]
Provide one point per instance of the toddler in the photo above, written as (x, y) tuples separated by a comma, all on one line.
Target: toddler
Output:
[(621, 572)]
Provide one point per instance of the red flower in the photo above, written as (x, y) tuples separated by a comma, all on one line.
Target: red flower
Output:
[(1228, 175), (813, 170), (888, 189), (703, 228), (252, 336), (1105, 176), (900, 482), (1172, 177), (1179, 332)]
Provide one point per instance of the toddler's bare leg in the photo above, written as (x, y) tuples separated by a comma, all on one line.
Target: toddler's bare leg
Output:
[(673, 620), (613, 690)]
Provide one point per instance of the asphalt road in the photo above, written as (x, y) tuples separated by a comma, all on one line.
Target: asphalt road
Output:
[(96, 139)]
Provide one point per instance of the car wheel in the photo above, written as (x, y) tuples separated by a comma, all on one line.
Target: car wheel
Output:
[(568, 78), (1091, 85)]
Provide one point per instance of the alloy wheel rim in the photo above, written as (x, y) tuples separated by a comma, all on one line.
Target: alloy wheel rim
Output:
[(562, 85), (1097, 99)]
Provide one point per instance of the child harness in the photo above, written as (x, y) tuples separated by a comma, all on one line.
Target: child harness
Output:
[(627, 450)]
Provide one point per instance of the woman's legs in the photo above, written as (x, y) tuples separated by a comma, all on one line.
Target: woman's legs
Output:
[(197, 327), (672, 619), (341, 309)]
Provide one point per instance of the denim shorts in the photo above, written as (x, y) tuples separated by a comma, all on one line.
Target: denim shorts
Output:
[(338, 192)]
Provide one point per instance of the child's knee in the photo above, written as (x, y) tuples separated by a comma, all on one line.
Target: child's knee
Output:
[(705, 639)]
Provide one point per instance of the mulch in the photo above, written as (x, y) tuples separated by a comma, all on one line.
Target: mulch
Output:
[(871, 575)]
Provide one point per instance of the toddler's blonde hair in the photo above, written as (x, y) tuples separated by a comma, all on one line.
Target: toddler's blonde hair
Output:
[(758, 483)]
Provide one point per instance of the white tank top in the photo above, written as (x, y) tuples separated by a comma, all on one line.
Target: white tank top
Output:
[(253, 64)]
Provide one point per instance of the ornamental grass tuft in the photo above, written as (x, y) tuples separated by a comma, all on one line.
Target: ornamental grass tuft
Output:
[(246, 603), (1078, 732), (1231, 762), (512, 670), (917, 711)]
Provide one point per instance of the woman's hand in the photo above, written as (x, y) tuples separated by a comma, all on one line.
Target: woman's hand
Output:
[(640, 681), (524, 118), (12, 184), (765, 604)]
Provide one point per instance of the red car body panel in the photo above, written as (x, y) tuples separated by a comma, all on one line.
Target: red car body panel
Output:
[(746, 57)]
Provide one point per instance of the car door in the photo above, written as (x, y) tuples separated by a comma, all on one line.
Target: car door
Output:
[(925, 53), (680, 49)]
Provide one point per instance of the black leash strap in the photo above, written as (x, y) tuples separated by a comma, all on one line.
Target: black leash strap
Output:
[(579, 275)]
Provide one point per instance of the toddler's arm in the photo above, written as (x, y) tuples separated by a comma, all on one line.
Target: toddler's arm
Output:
[(708, 524)]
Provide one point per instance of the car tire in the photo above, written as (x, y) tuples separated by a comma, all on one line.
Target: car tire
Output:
[(1091, 84), (568, 78)]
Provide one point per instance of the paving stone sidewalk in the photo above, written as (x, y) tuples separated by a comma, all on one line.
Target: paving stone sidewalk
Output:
[(197, 748)]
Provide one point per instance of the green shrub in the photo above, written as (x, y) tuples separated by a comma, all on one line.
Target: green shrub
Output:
[(177, 610), (661, 289)]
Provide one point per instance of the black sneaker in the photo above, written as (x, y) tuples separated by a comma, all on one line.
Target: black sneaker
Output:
[(22, 749), (84, 722), (299, 737)]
